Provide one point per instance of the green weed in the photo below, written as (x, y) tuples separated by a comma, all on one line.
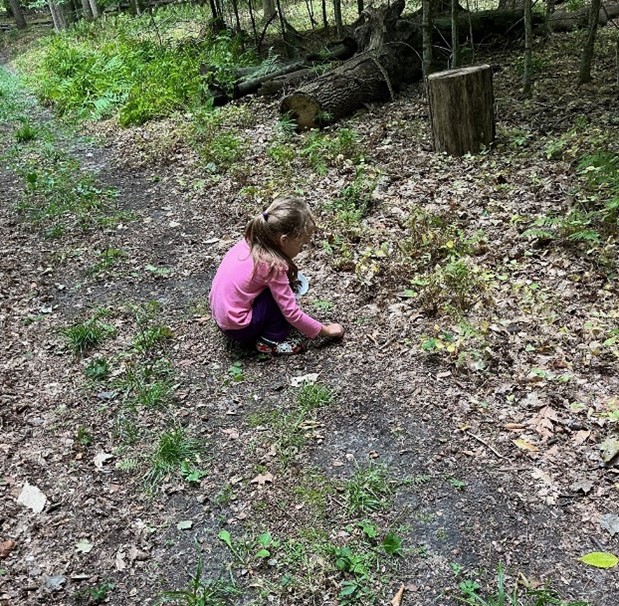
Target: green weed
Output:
[(86, 335), (202, 592), (26, 132), (368, 490), (223, 150), (98, 593), (173, 449), (323, 150), (108, 259), (83, 437), (470, 594), (98, 369)]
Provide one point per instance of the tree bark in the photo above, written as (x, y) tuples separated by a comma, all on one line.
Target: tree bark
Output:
[(94, 9), (586, 60), (268, 9), (455, 37), (18, 14), (426, 28), (337, 15), (527, 76), (461, 105), (60, 23), (86, 10)]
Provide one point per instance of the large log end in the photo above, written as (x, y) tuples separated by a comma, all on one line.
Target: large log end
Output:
[(303, 109)]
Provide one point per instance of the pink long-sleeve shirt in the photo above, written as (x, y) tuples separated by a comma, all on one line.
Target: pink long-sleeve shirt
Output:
[(236, 285)]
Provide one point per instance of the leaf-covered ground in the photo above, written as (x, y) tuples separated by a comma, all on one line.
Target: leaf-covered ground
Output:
[(467, 420)]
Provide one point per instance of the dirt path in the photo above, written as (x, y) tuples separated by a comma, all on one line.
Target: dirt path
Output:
[(426, 449)]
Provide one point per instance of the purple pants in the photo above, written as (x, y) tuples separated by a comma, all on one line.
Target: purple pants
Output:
[(267, 321)]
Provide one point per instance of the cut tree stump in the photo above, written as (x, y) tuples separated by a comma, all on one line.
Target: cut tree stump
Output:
[(462, 109)]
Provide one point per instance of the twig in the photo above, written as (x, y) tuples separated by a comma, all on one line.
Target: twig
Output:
[(482, 441)]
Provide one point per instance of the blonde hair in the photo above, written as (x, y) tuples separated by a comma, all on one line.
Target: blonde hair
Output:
[(286, 216)]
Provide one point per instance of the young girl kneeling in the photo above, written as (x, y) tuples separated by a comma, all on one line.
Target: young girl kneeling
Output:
[(252, 296)]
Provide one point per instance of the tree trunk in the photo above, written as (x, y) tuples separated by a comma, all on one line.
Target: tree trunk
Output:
[(268, 9), (461, 109), (60, 23), (455, 37), (587, 51), (18, 14), (86, 10), (373, 75), (426, 28), (527, 77), (94, 9), (337, 15)]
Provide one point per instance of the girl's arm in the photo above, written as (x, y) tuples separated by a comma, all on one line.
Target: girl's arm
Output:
[(287, 302)]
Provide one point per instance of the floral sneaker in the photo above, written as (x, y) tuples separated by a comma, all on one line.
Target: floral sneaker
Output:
[(288, 347)]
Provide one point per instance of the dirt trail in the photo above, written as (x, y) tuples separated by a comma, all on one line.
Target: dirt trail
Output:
[(465, 497)]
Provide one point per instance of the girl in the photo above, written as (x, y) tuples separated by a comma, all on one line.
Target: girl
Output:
[(252, 297)]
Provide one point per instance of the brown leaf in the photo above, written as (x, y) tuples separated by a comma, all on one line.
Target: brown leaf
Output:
[(524, 445), (262, 478), (397, 598), (6, 547), (202, 320), (232, 433), (581, 437)]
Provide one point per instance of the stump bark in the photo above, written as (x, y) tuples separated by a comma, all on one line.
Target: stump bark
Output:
[(462, 109)]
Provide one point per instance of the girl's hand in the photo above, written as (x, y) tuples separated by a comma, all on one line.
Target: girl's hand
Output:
[(335, 331)]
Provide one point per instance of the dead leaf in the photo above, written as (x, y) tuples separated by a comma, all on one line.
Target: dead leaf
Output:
[(101, 458), (32, 498), (262, 478), (397, 598), (610, 522), (308, 379), (6, 547), (524, 445), (583, 485), (514, 426), (84, 546), (543, 422), (202, 320), (119, 561), (232, 433), (373, 454), (581, 437), (184, 525), (610, 449)]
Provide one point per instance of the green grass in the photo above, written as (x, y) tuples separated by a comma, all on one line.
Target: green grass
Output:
[(86, 335), (472, 595), (174, 448), (202, 592), (368, 490), (124, 66)]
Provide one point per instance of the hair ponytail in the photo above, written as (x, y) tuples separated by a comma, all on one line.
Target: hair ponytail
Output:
[(288, 216)]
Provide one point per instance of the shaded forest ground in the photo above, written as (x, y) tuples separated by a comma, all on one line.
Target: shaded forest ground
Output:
[(463, 422)]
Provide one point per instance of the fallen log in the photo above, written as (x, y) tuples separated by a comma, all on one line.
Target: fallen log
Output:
[(389, 57), (567, 21)]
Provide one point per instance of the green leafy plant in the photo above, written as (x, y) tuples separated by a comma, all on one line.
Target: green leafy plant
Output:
[(98, 593), (98, 369), (322, 150), (83, 437)]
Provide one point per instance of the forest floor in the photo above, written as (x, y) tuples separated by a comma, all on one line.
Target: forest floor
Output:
[(468, 419)]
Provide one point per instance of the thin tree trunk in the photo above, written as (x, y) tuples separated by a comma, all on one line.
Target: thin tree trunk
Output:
[(253, 24), (426, 27), (325, 21), (94, 8), (527, 77), (455, 41), (86, 10), (587, 51), (18, 14), (60, 23), (360, 6), (337, 15), (268, 9)]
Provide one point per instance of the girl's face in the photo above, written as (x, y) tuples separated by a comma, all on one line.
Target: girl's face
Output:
[(291, 246)]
